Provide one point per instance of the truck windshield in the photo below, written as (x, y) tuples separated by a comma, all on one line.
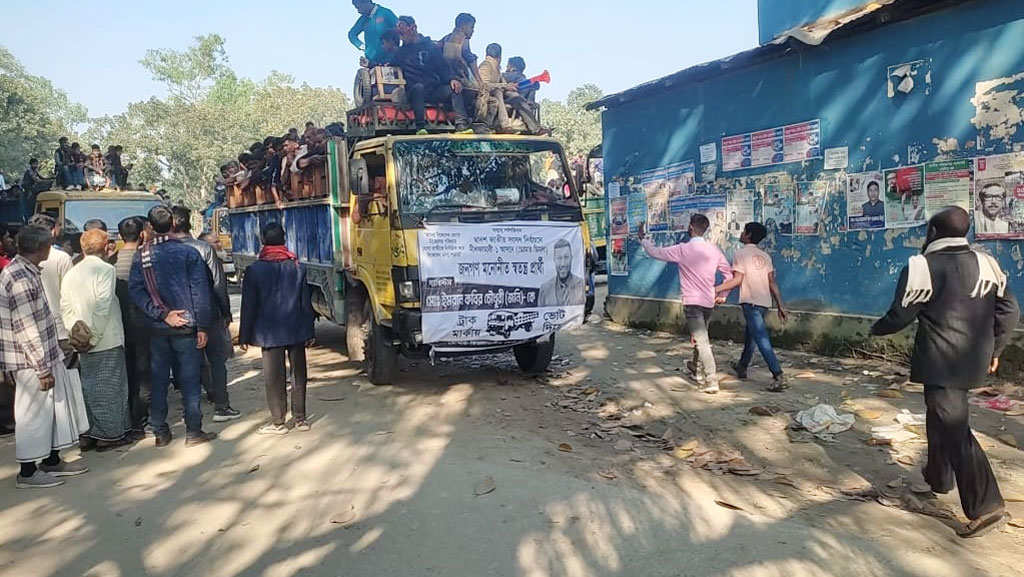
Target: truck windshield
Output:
[(111, 212), (481, 175)]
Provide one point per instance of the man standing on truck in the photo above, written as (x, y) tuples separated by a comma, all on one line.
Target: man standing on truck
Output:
[(374, 23), (428, 78), (170, 284), (218, 349)]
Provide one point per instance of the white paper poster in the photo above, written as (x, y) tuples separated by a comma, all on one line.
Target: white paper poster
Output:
[(810, 206), (947, 183), (837, 158), (741, 210), (494, 285), (613, 189), (708, 152)]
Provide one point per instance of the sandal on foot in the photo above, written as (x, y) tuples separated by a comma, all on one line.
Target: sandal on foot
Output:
[(984, 525)]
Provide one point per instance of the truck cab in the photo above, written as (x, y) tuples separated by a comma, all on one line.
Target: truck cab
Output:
[(74, 209)]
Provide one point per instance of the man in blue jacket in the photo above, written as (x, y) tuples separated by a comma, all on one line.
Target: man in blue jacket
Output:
[(170, 284), (277, 316)]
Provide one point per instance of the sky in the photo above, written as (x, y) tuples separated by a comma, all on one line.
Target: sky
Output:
[(615, 45)]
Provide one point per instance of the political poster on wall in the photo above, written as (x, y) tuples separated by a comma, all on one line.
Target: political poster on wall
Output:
[(619, 265), (904, 197), (656, 188), (810, 206), (619, 218), (681, 178), (489, 285), (778, 207), (865, 204), (712, 206), (999, 196), (740, 208), (637, 212), (947, 183), (793, 143)]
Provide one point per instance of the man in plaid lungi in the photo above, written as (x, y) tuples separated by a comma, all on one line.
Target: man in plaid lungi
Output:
[(48, 405)]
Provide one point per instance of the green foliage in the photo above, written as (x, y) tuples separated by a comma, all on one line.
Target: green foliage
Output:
[(209, 117), (33, 115), (578, 129)]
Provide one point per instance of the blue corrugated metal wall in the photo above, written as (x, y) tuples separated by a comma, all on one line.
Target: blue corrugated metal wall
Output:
[(844, 84), (307, 229)]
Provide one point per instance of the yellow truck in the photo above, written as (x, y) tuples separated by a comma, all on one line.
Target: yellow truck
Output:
[(75, 208), (426, 244)]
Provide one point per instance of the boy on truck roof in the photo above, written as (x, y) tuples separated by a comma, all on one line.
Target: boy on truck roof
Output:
[(428, 78)]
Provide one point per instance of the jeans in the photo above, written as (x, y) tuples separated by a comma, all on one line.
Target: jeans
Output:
[(215, 368), (77, 176), (276, 382), (420, 94), (697, 319), (180, 352), (136, 352), (757, 336), (63, 173)]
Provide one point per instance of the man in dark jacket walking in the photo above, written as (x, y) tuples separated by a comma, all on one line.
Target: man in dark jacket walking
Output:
[(428, 78), (170, 284), (966, 314), (277, 316)]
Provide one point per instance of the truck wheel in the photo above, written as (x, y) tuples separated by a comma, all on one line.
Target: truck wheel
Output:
[(381, 357), (356, 323), (535, 357)]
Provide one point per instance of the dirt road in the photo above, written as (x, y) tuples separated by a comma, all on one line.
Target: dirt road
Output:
[(612, 464)]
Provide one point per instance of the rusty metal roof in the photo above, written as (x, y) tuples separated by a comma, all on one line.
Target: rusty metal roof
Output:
[(869, 16)]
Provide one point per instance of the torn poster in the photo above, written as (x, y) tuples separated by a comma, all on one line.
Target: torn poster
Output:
[(810, 206), (793, 143), (865, 206), (778, 207), (619, 219), (682, 208), (837, 158), (999, 196), (656, 188), (619, 265), (904, 197), (681, 178), (637, 212), (708, 172), (947, 183), (741, 210)]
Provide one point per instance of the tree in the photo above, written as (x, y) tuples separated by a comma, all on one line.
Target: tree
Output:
[(209, 117), (33, 115), (577, 128)]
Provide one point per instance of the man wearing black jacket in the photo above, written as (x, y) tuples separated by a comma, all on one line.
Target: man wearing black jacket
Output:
[(966, 314), (428, 78)]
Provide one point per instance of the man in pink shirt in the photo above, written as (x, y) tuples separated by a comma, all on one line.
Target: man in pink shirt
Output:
[(755, 275), (698, 261)]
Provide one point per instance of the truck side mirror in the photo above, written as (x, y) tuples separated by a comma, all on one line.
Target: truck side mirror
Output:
[(359, 177)]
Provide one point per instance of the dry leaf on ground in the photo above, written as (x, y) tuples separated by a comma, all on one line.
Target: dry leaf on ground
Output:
[(889, 394), (1008, 439), (345, 517), (895, 483), (920, 489), (682, 453), (254, 468), (485, 486), (729, 505), (690, 445), (623, 445), (805, 375), (905, 459), (869, 414), (565, 448), (610, 475)]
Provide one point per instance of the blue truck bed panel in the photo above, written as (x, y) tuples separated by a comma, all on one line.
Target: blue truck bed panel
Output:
[(307, 227)]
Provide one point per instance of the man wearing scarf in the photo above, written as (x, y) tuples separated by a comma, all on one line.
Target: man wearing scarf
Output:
[(277, 316), (966, 314)]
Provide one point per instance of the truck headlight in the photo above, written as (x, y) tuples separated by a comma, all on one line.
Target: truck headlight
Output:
[(407, 292)]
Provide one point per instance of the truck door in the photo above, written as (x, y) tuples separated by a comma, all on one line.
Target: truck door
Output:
[(372, 232)]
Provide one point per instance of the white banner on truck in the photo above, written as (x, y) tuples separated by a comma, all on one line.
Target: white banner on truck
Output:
[(486, 285)]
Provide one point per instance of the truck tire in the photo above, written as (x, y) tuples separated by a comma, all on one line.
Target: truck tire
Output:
[(535, 357), (356, 325), (381, 358)]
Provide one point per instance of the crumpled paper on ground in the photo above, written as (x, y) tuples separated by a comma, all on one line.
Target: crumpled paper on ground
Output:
[(823, 420), (905, 417), (894, 433)]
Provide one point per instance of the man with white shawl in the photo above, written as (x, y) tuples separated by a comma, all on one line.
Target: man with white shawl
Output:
[(966, 314), (48, 406)]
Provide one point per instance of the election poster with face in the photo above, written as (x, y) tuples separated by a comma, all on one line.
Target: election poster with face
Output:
[(778, 207), (810, 206), (619, 258), (947, 183), (999, 196), (494, 285), (904, 197), (865, 205), (619, 212), (740, 209)]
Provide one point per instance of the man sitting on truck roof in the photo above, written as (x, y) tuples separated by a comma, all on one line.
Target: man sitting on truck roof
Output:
[(516, 73), (428, 78), (389, 44), (501, 93)]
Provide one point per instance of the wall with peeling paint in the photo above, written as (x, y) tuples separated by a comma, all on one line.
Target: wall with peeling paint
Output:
[(967, 100)]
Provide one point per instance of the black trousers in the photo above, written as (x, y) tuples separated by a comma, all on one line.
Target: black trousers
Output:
[(275, 379), (420, 94), (136, 354), (954, 455)]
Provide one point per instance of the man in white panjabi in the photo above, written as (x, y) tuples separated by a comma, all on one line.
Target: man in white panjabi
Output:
[(48, 406)]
